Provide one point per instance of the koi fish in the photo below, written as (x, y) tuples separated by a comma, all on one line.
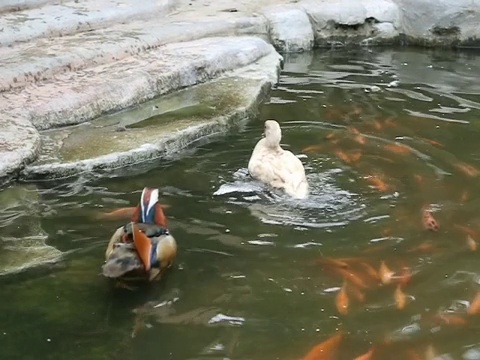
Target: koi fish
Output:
[(429, 222), (353, 278), (466, 169), (464, 197), (400, 298), (474, 308), (385, 273), (467, 230), (341, 300), (348, 158), (450, 319), (377, 183), (398, 148), (367, 356), (471, 243), (327, 350), (312, 148), (433, 142)]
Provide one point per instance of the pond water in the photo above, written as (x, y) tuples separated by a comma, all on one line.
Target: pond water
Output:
[(386, 133)]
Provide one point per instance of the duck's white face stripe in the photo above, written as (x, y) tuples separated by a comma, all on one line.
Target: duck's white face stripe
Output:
[(151, 203)]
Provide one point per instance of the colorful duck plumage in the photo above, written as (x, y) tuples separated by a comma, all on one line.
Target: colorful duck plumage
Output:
[(144, 247)]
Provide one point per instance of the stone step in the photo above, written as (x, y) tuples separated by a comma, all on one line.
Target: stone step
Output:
[(53, 20), (17, 5), (42, 59), (158, 128), (81, 96)]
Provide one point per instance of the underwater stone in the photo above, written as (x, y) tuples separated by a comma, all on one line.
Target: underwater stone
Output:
[(22, 240)]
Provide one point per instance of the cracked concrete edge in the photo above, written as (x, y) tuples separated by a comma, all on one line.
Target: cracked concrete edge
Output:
[(167, 146)]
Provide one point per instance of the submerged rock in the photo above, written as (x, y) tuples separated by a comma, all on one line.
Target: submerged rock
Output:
[(22, 240)]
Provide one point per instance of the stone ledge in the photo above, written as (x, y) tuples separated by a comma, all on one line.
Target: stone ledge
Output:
[(73, 17), (158, 128), (42, 59)]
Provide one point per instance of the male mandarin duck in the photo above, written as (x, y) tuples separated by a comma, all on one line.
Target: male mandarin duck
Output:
[(143, 247), (279, 168)]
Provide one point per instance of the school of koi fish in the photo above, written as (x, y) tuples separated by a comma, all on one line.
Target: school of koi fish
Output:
[(360, 277)]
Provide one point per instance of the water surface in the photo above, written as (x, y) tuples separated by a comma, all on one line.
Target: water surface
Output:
[(247, 283)]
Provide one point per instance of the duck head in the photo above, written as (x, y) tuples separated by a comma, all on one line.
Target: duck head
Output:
[(273, 134), (149, 211)]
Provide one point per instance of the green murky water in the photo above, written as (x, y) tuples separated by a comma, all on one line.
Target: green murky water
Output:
[(247, 283)]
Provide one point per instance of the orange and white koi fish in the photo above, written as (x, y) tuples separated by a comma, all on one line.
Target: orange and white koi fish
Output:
[(385, 273), (472, 243), (429, 222), (327, 350)]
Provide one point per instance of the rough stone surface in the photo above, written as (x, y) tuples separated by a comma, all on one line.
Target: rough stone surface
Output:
[(19, 144), (441, 22), (290, 28), (41, 59), (81, 96), (158, 128), (74, 16), (347, 22), (22, 240)]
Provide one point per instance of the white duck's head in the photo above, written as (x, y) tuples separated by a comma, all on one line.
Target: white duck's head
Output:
[(273, 134)]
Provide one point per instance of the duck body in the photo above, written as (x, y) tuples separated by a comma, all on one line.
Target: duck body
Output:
[(274, 166), (143, 248)]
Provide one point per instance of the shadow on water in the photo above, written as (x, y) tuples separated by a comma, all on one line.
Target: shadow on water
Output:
[(382, 134)]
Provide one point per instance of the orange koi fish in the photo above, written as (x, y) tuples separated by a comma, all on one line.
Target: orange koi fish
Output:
[(353, 278), (327, 350), (425, 247), (398, 148), (341, 300), (385, 273), (450, 319), (467, 230), (331, 136), (400, 298), (367, 356), (474, 308), (429, 222), (357, 293), (348, 158), (433, 142), (370, 271), (418, 179), (312, 148), (377, 183), (405, 277), (466, 169), (464, 197)]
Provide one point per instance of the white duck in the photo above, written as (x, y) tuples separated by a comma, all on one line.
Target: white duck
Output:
[(275, 166)]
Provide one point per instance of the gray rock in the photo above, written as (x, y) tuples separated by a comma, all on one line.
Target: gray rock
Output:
[(158, 128), (290, 28), (19, 144), (441, 22), (343, 22)]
